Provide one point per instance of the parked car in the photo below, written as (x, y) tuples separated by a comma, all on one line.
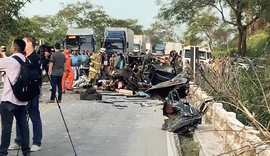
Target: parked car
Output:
[(244, 63)]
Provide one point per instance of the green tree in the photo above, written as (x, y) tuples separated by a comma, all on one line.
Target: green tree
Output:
[(222, 36), (161, 32), (182, 11), (9, 16), (192, 38), (203, 24), (84, 15), (128, 23), (49, 29)]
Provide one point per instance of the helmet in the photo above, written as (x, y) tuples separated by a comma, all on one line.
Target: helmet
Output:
[(102, 50)]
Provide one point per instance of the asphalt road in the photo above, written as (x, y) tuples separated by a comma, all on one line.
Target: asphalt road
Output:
[(100, 129)]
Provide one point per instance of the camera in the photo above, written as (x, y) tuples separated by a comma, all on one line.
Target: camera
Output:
[(3, 48)]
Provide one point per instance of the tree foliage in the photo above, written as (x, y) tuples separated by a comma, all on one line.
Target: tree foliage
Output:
[(53, 28), (9, 18), (183, 11), (129, 23), (192, 38), (85, 15), (160, 32), (222, 36), (203, 24)]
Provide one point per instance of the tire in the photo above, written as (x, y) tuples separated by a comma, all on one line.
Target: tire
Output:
[(90, 91), (89, 97)]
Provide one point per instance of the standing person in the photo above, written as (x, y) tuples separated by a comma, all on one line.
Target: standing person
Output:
[(33, 106), (121, 61), (46, 59), (178, 64), (10, 106), (116, 60), (95, 67), (75, 62), (56, 70), (187, 67), (68, 72), (112, 63), (83, 58)]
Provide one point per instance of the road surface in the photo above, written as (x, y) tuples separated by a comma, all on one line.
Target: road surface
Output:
[(100, 129)]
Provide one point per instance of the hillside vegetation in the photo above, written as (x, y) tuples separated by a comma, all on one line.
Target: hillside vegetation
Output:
[(258, 45)]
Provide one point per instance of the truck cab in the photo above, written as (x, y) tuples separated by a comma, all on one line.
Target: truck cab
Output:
[(159, 49), (115, 41), (139, 44), (118, 40), (204, 54)]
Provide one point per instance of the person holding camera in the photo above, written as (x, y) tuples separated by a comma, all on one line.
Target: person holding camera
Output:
[(10, 106), (33, 105)]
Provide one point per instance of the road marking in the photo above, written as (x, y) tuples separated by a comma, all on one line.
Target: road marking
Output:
[(169, 144)]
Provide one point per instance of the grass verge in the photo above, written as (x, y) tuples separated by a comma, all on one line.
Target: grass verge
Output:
[(188, 146)]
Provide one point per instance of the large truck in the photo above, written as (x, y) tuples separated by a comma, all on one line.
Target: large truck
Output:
[(204, 53), (159, 49), (173, 46), (80, 39), (148, 48), (118, 39), (139, 44), (166, 48)]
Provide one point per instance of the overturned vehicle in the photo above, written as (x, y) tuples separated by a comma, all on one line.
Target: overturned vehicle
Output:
[(182, 117)]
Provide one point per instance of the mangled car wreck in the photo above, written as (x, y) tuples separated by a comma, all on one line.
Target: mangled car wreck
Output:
[(162, 82), (182, 117)]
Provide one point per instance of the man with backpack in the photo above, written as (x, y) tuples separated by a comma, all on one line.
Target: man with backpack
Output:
[(33, 104), (10, 104)]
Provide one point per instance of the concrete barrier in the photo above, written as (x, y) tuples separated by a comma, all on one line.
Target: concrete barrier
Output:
[(238, 139)]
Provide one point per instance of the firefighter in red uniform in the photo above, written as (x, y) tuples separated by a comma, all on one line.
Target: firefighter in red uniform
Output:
[(68, 73)]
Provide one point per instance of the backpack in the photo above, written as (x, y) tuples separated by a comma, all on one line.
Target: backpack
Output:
[(26, 88)]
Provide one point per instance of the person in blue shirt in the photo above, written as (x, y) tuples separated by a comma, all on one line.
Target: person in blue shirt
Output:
[(84, 58), (75, 63), (121, 61), (253, 63)]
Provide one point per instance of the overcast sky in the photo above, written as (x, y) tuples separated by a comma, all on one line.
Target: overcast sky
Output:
[(143, 10)]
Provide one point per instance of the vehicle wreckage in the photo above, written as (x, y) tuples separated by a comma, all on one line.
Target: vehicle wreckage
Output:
[(162, 82), (182, 117)]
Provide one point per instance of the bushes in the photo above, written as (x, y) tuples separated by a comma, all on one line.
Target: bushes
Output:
[(231, 51), (257, 45), (243, 89)]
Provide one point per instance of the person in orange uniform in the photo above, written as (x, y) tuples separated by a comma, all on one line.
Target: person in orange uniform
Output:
[(68, 73)]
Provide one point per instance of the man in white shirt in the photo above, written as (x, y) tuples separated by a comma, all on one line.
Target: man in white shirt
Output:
[(10, 106)]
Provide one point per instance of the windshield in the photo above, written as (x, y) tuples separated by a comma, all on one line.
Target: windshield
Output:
[(71, 42), (202, 55), (187, 53), (114, 45), (209, 55), (136, 47), (160, 47)]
